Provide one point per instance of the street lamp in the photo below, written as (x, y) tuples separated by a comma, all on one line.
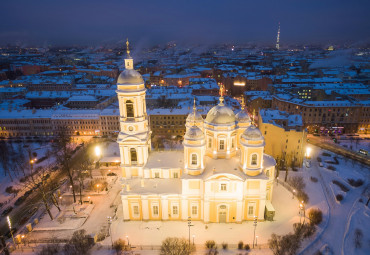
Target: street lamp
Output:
[(128, 241), (193, 239), (189, 225), (293, 193), (110, 229), (277, 181), (11, 232), (97, 187), (256, 240), (302, 212), (255, 226)]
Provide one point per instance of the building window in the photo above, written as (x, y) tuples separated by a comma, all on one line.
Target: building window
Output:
[(136, 210), (254, 160), (194, 159), (130, 109), (133, 155), (176, 175), (155, 210), (251, 207), (222, 144), (268, 173), (156, 175), (210, 142), (223, 187), (232, 142), (175, 210), (194, 210)]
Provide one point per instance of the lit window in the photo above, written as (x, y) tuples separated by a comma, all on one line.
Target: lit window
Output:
[(222, 144), (136, 210), (176, 175), (232, 142), (129, 109), (133, 156), (175, 210), (155, 210), (251, 207), (156, 175), (194, 159), (210, 142), (223, 187), (254, 160), (194, 210)]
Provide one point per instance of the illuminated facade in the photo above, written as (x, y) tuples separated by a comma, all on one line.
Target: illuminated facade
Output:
[(222, 175)]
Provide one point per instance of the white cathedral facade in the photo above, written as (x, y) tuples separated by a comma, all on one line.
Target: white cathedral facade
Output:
[(222, 175)]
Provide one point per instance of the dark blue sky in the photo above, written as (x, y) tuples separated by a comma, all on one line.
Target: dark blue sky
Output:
[(191, 21)]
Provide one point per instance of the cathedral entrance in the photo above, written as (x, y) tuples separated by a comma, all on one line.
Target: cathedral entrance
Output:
[(222, 212)]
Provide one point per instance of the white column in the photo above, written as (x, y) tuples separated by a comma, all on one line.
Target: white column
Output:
[(184, 208), (126, 213), (206, 211), (164, 208), (145, 208), (239, 211), (261, 209)]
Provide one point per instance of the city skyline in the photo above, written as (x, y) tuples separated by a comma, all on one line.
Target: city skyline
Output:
[(147, 23)]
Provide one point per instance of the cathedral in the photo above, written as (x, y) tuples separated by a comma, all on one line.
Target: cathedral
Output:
[(222, 174)]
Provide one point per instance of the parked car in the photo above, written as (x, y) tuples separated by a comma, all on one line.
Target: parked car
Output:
[(321, 164), (6, 211)]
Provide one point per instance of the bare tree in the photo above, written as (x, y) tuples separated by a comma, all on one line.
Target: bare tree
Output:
[(81, 169), (79, 244), (38, 179), (5, 158), (175, 246), (64, 154)]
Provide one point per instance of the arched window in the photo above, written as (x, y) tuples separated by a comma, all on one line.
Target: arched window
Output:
[(133, 155), (194, 159), (130, 109), (254, 160)]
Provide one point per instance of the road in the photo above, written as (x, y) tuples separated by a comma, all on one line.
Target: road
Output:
[(324, 144)]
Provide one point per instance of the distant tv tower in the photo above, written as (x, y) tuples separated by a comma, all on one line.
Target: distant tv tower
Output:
[(278, 38)]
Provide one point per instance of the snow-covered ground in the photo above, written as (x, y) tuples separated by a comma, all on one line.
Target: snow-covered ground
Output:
[(5, 181), (337, 224)]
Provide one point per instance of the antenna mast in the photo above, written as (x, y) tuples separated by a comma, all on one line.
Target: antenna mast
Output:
[(278, 39)]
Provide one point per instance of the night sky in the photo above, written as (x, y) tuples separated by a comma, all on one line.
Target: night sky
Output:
[(192, 21)]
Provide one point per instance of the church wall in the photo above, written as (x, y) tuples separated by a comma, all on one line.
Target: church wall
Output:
[(231, 210)]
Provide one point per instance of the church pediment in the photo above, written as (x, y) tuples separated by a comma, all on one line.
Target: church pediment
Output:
[(223, 177)]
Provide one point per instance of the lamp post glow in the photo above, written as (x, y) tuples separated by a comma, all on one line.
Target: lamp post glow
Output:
[(10, 228), (308, 152), (128, 241), (293, 193), (97, 151)]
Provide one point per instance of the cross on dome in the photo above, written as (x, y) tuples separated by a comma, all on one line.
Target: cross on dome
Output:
[(221, 94), (127, 48)]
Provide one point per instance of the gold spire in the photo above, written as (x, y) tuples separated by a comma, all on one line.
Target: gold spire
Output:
[(243, 103), (127, 48), (194, 111), (253, 116), (221, 94)]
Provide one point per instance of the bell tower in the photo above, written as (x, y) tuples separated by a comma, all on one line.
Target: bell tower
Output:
[(134, 137)]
